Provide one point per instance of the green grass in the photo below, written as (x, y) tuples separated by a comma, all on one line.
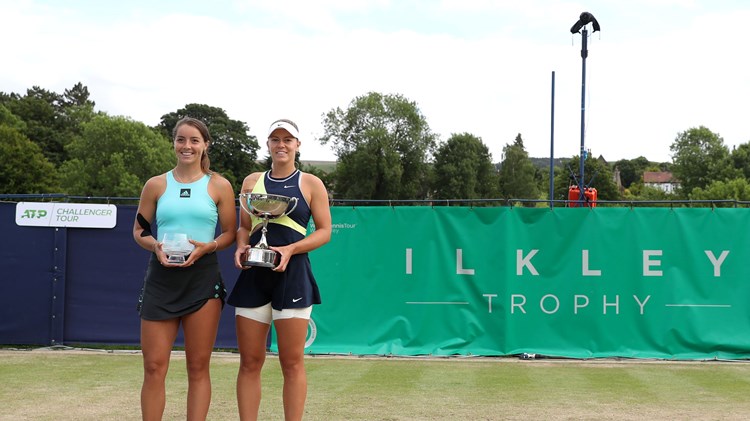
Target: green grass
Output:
[(101, 385)]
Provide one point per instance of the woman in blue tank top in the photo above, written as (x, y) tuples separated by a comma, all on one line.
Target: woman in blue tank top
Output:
[(189, 200), (285, 294)]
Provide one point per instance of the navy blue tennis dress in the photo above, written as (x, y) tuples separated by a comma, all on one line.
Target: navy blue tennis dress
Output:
[(170, 292), (296, 286)]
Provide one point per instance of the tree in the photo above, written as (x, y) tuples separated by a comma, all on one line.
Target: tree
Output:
[(76, 108), (631, 170), (736, 189), (77, 96), (114, 156), (11, 120), (517, 173), (598, 175), (324, 176), (52, 120), (39, 109), (382, 143), (741, 159), (699, 158), (233, 152), (464, 170), (24, 169), (638, 192)]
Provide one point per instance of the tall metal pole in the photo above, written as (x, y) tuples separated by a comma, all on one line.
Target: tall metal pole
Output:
[(552, 148), (584, 54)]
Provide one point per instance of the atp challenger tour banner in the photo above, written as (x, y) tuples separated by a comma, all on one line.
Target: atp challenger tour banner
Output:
[(570, 282)]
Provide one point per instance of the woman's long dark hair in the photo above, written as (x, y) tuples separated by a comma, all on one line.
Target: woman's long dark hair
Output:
[(203, 129)]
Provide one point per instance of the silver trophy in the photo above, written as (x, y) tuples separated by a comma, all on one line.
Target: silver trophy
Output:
[(176, 246), (265, 206)]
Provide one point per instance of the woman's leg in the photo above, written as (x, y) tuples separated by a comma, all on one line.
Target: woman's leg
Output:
[(200, 330), (157, 338), (251, 341), (291, 334)]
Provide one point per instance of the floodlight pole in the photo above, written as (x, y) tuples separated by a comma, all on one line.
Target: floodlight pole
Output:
[(584, 54), (552, 147)]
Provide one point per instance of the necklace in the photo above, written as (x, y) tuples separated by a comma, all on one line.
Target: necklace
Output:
[(186, 181)]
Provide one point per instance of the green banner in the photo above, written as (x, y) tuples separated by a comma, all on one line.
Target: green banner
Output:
[(567, 282)]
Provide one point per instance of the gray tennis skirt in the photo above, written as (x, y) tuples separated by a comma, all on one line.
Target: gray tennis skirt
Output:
[(170, 292)]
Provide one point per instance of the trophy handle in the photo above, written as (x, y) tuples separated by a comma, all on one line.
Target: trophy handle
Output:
[(294, 206), (243, 202)]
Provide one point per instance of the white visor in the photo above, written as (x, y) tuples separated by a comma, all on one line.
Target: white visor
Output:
[(286, 126)]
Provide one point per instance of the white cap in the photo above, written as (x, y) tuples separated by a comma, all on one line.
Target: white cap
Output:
[(282, 124)]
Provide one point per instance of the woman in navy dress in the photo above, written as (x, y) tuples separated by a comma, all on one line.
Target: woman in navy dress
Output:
[(286, 293)]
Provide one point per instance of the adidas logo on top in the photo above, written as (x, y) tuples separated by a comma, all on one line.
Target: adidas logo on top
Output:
[(185, 193)]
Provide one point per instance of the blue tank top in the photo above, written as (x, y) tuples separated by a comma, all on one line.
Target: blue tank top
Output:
[(187, 208)]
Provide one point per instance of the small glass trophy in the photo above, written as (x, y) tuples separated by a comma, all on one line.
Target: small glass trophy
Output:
[(177, 247)]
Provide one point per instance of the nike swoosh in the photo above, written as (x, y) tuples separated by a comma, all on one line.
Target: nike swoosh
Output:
[(294, 300), (288, 187)]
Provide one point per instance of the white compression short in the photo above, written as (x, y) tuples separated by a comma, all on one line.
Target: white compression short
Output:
[(266, 313)]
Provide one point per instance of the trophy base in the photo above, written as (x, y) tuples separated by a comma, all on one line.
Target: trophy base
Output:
[(176, 258), (260, 257)]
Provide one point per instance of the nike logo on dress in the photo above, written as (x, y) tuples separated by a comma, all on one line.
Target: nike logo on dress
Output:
[(288, 187), (294, 300)]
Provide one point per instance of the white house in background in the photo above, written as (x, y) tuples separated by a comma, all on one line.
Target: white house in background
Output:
[(661, 180)]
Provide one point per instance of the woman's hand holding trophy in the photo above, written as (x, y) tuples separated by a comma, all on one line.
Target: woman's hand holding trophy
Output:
[(264, 206), (177, 247)]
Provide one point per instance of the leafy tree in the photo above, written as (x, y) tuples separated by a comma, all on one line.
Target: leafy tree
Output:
[(631, 170), (325, 177), (39, 109), (233, 152), (517, 173), (51, 119), (382, 143), (373, 171), (598, 175), (76, 108), (114, 156), (77, 96), (11, 120), (23, 169), (735, 189), (699, 158), (463, 169), (541, 178), (638, 192), (741, 159)]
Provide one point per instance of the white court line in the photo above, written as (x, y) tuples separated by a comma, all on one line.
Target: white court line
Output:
[(439, 302)]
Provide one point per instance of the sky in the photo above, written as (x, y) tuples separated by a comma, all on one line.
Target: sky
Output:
[(485, 67)]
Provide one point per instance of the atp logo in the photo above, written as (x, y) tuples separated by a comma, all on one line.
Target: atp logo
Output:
[(34, 213), (185, 193)]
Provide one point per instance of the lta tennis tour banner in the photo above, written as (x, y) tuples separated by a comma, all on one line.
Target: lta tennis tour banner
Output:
[(603, 282)]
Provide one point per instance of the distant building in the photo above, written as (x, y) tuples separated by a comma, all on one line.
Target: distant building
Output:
[(618, 180), (662, 180)]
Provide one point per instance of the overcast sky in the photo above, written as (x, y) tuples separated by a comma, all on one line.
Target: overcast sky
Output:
[(656, 68)]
